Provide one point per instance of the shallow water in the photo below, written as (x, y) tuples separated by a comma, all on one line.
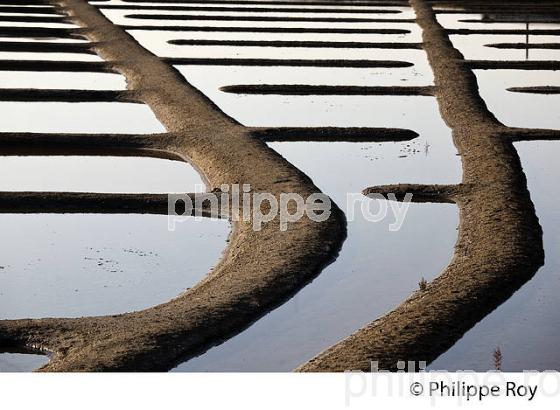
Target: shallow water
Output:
[(35, 24), (160, 36), (158, 44), (78, 118), (454, 21), (10, 55), (209, 79), (111, 263), (474, 47), (63, 81), (327, 111), (20, 362), (520, 109), (47, 39), (124, 17), (526, 328), (98, 174)]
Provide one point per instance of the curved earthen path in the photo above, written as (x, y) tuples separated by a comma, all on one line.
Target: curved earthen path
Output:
[(499, 246)]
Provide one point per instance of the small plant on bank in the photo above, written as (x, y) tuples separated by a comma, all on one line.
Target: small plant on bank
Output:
[(423, 284), (498, 359)]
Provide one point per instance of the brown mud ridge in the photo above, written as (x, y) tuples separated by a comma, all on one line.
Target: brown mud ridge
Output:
[(513, 65), (28, 9), (546, 89), (50, 95), (33, 32), (467, 31), (550, 20), (543, 46), (294, 44), (322, 30), (45, 47), (304, 89), (34, 19), (499, 245), (277, 62), (102, 66)]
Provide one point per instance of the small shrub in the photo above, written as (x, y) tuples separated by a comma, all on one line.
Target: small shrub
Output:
[(498, 359)]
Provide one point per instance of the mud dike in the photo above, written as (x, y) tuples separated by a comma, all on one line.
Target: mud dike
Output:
[(499, 246)]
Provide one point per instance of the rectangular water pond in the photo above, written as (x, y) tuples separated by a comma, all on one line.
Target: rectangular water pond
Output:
[(123, 118), (98, 174)]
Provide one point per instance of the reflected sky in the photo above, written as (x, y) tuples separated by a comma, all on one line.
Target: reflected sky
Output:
[(474, 47), (18, 362), (84, 265), (520, 109), (327, 111), (63, 81), (78, 118), (98, 174), (10, 55)]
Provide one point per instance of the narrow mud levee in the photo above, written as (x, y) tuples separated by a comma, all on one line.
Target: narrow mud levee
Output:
[(259, 270), (499, 245)]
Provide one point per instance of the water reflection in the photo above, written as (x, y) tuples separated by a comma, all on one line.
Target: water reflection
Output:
[(21, 362), (66, 81), (97, 174), (125, 118), (520, 109), (84, 265)]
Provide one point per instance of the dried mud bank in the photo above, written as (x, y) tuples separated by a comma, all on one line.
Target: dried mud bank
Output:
[(273, 62), (513, 65), (27, 9), (33, 94), (524, 46), (304, 89), (222, 29), (499, 245), (295, 44), (258, 270), (21, 46), (545, 89), (34, 32)]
